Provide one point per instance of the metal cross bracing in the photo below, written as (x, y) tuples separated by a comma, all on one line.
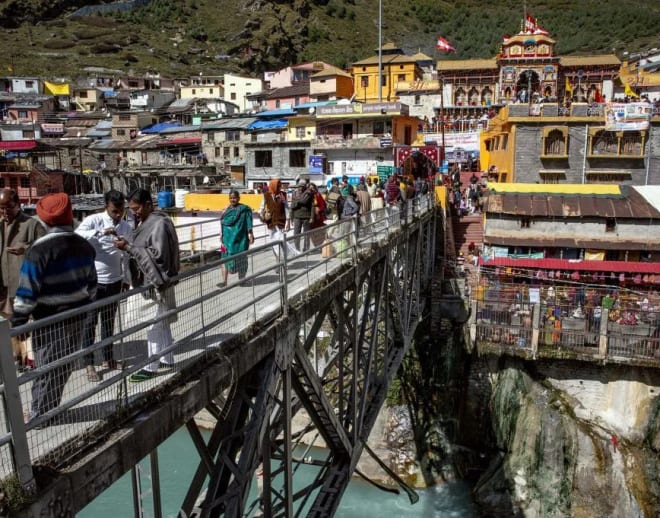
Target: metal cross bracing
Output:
[(369, 325), (317, 335)]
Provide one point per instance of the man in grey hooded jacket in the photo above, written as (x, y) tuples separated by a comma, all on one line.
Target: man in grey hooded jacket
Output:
[(154, 255)]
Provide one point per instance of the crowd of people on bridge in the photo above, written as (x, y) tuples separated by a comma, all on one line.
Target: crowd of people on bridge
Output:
[(48, 268)]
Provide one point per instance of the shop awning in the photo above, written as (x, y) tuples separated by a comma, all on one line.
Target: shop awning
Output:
[(180, 140), (570, 264), (17, 145)]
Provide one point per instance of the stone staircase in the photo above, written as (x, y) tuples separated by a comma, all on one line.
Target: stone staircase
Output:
[(468, 229)]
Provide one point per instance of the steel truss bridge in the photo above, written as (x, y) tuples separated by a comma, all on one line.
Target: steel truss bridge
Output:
[(318, 337)]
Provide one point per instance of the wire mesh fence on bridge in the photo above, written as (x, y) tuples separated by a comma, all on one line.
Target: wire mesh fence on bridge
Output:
[(70, 411)]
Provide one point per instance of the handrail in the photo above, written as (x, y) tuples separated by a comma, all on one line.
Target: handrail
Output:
[(206, 316)]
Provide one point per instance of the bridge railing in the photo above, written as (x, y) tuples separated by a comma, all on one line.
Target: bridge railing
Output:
[(74, 410)]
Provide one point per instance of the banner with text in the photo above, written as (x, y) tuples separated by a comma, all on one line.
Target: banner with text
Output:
[(467, 141), (628, 116)]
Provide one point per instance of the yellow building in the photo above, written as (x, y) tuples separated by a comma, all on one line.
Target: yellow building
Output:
[(397, 67)]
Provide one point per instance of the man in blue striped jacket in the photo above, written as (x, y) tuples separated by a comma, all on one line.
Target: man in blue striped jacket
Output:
[(57, 274)]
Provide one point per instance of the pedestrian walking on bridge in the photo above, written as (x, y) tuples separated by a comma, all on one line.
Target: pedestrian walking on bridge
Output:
[(154, 261)]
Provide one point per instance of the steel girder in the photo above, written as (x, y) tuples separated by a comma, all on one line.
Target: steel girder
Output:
[(330, 372)]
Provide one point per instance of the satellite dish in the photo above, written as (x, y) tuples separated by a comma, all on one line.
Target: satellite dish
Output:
[(312, 110)]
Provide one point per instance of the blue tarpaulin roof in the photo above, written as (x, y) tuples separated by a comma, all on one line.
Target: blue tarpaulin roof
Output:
[(269, 124), (157, 128)]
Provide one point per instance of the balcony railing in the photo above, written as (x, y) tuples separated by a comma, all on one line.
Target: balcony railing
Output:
[(567, 330)]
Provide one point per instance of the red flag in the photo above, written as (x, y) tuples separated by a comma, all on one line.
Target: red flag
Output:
[(530, 23), (443, 44)]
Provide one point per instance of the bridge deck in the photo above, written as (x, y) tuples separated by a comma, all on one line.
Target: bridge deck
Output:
[(207, 316)]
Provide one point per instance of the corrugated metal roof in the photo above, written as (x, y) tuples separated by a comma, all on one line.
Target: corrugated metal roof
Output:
[(238, 123), (604, 59), (629, 204), (146, 142), (180, 129)]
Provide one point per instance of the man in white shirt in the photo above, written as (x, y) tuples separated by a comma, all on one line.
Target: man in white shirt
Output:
[(100, 230)]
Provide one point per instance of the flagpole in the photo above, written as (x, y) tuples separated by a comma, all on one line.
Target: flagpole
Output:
[(380, 50)]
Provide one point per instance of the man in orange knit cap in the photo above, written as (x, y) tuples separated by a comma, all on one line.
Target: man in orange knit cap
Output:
[(57, 275)]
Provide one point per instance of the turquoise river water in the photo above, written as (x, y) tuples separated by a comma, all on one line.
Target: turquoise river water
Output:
[(178, 460)]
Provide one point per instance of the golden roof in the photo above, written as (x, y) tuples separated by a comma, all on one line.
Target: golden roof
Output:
[(332, 71), (466, 64), (387, 59), (603, 59), (523, 37)]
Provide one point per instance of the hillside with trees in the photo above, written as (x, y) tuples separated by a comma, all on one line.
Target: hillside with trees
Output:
[(59, 38)]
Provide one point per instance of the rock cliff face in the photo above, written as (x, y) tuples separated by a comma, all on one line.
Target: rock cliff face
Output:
[(572, 440)]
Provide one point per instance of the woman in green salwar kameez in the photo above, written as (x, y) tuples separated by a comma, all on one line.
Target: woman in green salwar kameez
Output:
[(236, 236)]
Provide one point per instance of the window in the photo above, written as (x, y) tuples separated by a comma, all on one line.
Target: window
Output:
[(555, 142), (217, 152), (232, 135), (632, 143), (29, 84), (133, 83), (263, 159), (25, 182), (121, 132), (194, 91), (525, 222), (604, 143), (379, 128), (211, 91), (83, 94), (383, 80), (232, 96), (297, 158), (505, 140), (2, 183), (610, 225), (28, 134), (277, 103), (124, 117), (401, 77), (418, 99), (364, 81), (210, 137), (237, 151), (22, 114), (225, 152), (300, 132)]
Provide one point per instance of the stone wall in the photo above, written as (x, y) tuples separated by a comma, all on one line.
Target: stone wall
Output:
[(529, 147)]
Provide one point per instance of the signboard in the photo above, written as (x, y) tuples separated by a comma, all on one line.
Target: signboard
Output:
[(383, 108), (468, 141), (628, 116), (385, 142), (534, 296), (315, 164), (383, 171)]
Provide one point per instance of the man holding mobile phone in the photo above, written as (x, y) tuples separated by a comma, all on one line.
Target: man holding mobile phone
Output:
[(101, 230), (17, 232)]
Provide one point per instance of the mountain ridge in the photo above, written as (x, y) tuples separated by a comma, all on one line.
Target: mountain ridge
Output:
[(188, 37)]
